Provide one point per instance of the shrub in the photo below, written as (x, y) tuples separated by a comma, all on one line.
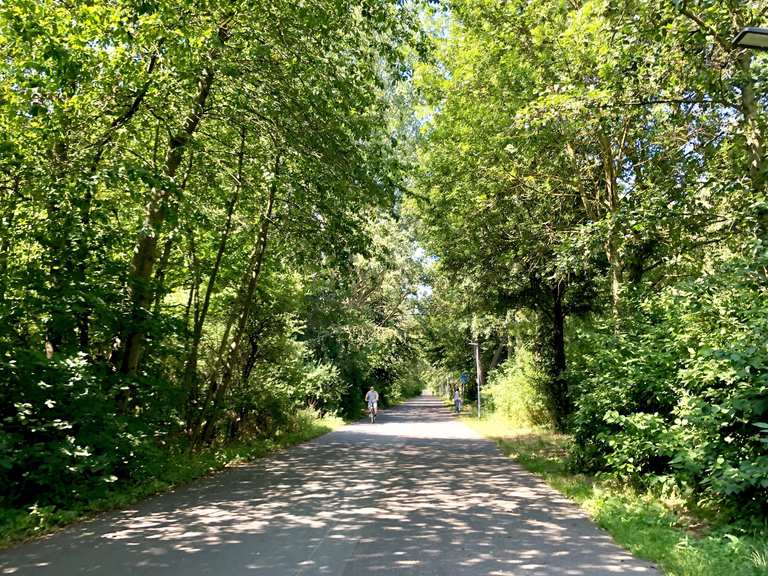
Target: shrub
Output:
[(63, 440), (516, 391), (680, 394)]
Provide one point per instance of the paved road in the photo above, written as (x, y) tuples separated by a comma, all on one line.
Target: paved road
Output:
[(417, 493)]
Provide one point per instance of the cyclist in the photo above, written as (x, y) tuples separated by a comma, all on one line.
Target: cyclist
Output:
[(372, 399)]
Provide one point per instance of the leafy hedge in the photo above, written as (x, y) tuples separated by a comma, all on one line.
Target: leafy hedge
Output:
[(517, 391), (679, 396), (63, 439)]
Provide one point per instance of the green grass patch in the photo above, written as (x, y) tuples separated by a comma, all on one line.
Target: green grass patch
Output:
[(176, 469), (649, 526)]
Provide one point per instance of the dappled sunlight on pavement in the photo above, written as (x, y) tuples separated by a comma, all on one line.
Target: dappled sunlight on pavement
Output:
[(415, 493)]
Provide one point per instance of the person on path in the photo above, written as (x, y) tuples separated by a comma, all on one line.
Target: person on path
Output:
[(372, 399), (457, 400)]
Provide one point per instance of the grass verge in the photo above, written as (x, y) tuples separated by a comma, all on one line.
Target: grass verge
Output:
[(17, 525), (643, 523)]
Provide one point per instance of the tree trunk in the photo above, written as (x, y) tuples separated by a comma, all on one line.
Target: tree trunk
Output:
[(159, 283), (60, 264), (555, 341), (193, 287), (85, 204), (190, 369), (558, 331), (160, 274), (229, 350), (497, 356), (254, 337), (83, 250), (560, 385), (145, 253)]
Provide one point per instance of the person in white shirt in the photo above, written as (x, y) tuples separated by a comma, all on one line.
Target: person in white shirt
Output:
[(457, 400), (372, 399)]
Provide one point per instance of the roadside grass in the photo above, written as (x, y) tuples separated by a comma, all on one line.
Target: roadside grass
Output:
[(176, 469), (647, 525)]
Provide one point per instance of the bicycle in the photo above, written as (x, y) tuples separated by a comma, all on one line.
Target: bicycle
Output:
[(371, 413)]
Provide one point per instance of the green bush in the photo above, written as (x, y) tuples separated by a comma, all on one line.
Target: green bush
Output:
[(322, 386), (516, 390), (62, 438), (680, 394)]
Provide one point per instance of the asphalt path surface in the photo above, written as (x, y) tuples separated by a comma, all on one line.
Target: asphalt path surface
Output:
[(416, 493)]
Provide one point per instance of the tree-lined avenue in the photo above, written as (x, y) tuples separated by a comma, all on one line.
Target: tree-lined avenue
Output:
[(416, 493)]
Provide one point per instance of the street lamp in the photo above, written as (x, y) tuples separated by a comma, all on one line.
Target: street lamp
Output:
[(751, 37)]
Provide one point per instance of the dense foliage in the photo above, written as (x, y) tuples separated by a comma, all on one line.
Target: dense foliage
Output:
[(598, 170), (200, 230)]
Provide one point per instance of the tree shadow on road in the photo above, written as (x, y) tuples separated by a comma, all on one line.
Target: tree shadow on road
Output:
[(415, 493)]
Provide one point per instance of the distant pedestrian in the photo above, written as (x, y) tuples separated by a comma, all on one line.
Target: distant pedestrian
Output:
[(457, 400)]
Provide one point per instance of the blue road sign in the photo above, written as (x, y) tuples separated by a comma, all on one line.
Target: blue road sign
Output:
[(464, 377)]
